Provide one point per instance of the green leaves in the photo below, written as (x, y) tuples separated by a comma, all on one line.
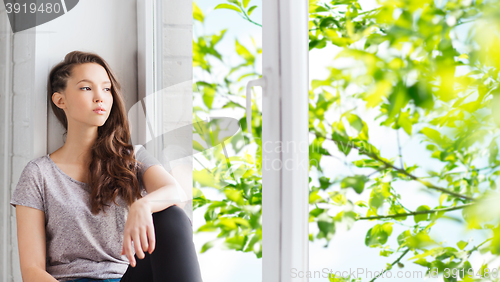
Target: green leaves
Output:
[(204, 49), (486, 35), (208, 96), (397, 100), (422, 217), (493, 152), (326, 227), (461, 244), (356, 182), (314, 197), (378, 235), (240, 8), (234, 195), (397, 209), (436, 137), (227, 6), (316, 152), (420, 240), (369, 163), (403, 76), (236, 242), (495, 104), (405, 121), (359, 125), (250, 10), (244, 53), (207, 246), (197, 13), (421, 95), (328, 22), (236, 218), (406, 73), (495, 242), (379, 194)]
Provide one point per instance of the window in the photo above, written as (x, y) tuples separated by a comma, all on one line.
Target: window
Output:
[(162, 120), (285, 210)]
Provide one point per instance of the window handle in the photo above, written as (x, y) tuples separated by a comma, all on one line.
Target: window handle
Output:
[(256, 82)]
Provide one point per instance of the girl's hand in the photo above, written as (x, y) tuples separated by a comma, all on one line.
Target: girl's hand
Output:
[(139, 229)]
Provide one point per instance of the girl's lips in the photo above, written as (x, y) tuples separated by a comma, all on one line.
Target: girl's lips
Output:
[(100, 112)]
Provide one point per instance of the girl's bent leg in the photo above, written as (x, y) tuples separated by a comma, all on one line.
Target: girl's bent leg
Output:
[(174, 257), (141, 272)]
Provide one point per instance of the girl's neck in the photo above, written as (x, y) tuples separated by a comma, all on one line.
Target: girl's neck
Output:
[(77, 148)]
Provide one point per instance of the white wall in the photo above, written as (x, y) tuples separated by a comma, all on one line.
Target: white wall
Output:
[(16, 135), (6, 37), (107, 28)]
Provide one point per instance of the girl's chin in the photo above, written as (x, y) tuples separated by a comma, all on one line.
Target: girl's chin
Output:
[(99, 124)]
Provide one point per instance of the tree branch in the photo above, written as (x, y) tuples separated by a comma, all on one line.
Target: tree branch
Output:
[(477, 247), (245, 16), (392, 264), (427, 184), (415, 212)]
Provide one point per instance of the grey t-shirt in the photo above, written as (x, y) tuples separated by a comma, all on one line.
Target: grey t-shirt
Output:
[(78, 243)]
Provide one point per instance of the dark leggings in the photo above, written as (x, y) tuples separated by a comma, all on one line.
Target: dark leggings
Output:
[(174, 257)]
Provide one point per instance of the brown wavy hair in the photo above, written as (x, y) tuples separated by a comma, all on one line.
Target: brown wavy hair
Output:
[(113, 168)]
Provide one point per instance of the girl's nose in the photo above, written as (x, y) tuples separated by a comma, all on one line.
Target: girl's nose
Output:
[(100, 96)]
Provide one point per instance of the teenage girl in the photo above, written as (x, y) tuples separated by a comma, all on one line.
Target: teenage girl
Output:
[(99, 208)]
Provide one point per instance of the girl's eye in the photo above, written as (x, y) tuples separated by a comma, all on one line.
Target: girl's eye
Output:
[(108, 89), (85, 87)]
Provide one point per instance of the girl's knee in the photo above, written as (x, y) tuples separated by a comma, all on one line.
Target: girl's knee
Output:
[(170, 211), (172, 216)]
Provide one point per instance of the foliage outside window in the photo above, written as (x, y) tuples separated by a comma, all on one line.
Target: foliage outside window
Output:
[(430, 71)]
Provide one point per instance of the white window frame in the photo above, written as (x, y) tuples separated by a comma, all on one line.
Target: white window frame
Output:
[(285, 211), (148, 56), (147, 117)]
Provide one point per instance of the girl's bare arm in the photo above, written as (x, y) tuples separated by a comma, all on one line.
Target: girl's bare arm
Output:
[(31, 242)]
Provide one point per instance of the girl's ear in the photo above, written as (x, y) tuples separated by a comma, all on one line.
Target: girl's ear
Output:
[(58, 100)]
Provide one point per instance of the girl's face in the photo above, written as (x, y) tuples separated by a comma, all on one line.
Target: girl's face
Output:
[(87, 89)]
